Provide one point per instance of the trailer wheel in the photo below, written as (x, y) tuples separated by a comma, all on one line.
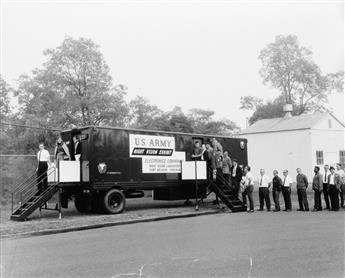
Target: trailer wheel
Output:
[(83, 202), (114, 201)]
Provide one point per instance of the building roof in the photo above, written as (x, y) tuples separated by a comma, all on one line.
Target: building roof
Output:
[(305, 121)]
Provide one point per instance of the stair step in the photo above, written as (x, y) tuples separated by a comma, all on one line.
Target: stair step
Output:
[(33, 203)]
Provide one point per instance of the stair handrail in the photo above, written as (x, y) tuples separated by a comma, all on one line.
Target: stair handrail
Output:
[(26, 188), (221, 178), (23, 181), (34, 180)]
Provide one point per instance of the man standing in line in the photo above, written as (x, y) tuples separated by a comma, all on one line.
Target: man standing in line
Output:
[(302, 185), (334, 185), (277, 188), (42, 167), (317, 187), (264, 193), (325, 188), (248, 189), (236, 177), (226, 167), (341, 174), (286, 189)]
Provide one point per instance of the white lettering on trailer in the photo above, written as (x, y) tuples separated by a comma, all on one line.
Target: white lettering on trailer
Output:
[(140, 145), (152, 165)]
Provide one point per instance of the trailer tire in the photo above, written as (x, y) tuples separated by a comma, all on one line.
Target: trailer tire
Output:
[(83, 202), (114, 201)]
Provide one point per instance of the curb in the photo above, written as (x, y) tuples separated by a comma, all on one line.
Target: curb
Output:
[(107, 224)]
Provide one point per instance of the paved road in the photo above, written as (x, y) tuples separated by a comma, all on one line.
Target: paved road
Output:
[(226, 245)]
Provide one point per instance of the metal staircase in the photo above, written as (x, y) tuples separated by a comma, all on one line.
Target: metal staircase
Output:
[(27, 199), (225, 192)]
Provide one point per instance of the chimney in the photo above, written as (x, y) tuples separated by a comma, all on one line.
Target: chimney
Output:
[(287, 109)]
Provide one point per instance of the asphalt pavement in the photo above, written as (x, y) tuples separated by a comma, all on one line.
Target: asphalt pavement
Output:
[(262, 244)]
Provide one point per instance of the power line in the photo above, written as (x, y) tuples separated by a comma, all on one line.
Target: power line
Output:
[(19, 155), (28, 126)]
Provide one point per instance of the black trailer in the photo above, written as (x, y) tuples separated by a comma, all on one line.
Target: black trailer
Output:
[(119, 163)]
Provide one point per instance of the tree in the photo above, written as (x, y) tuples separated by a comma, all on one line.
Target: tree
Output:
[(143, 114), (250, 102), (74, 87), (5, 90), (203, 123), (290, 68), (270, 109), (336, 82), (178, 121)]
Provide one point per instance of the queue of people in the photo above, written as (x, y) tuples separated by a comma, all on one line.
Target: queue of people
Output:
[(222, 168), (61, 152), (331, 185)]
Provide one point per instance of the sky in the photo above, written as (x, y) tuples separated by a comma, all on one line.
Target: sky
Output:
[(192, 54)]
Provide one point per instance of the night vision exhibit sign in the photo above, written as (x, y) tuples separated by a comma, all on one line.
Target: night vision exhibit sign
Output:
[(157, 153), (150, 145)]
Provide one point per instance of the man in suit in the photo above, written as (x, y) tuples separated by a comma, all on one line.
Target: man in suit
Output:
[(276, 189), (334, 183), (317, 187), (325, 186), (302, 185), (236, 176), (286, 190)]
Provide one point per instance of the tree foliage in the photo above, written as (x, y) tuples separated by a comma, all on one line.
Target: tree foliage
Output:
[(5, 90), (290, 68), (73, 87)]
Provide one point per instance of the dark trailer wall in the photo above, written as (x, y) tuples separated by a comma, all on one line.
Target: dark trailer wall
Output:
[(106, 163), (111, 147)]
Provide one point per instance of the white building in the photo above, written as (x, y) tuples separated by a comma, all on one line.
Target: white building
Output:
[(301, 141)]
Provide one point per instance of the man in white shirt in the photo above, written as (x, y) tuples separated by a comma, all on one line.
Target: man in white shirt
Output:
[(248, 189), (286, 190), (341, 174), (43, 160), (264, 193), (333, 185), (325, 188)]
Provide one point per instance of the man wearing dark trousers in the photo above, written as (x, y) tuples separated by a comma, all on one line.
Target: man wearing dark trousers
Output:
[(334, 186), (340, 172), (42, 167), (317, 187), (286, 189), (264, 193), (302, 185), (236, 176), (325, 188), (248, 189), (276, 189)]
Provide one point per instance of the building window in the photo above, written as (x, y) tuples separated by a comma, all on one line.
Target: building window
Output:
[(342, 157), (319, 157)]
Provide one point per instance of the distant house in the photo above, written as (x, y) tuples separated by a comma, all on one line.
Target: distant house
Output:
[(300, 141)]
